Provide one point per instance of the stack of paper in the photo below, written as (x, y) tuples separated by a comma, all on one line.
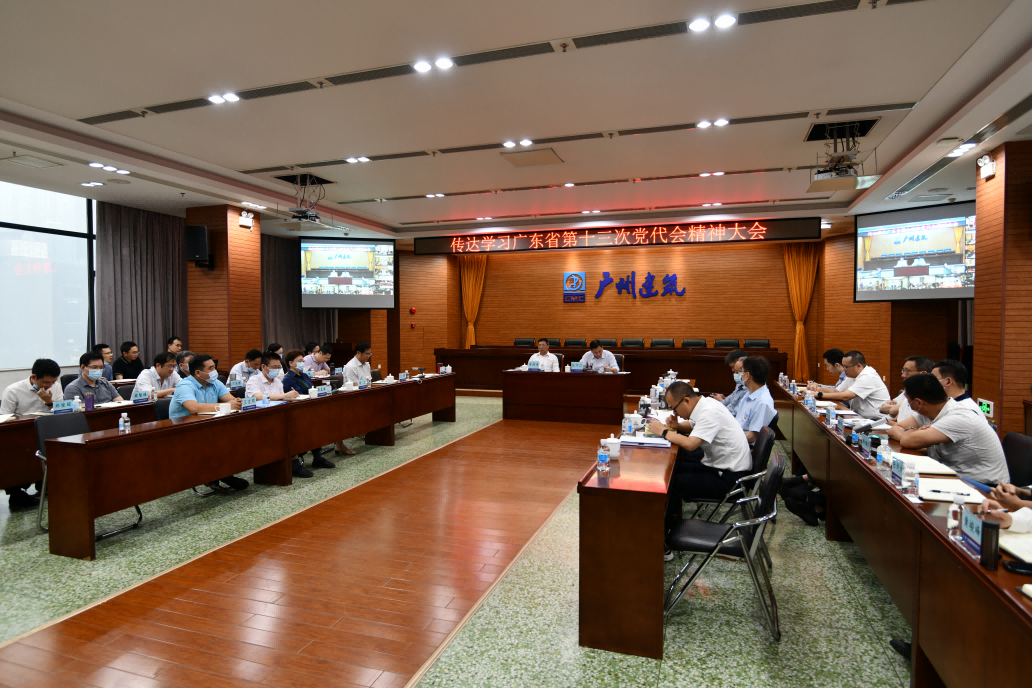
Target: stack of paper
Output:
[(644, 441), (925, 464), (1017, 544), (943, 489), (6, 417)]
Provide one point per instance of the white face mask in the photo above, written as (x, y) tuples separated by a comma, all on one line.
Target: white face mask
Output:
[(738, 378), (274, 373)]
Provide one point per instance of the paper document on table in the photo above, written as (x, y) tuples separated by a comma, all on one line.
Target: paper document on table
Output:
[(1017, 544), (6, 417), (645, 441), (925, 464), (112, 404), (883, 426), (216, 413), (943, 489)]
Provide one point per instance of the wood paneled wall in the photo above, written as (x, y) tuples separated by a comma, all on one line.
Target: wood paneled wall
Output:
[(430, 284), (920, 328), (245, 285)]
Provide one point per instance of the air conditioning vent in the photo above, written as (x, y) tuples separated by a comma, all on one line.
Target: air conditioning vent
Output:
[(370, 75), (31, 161), (110, 117), (825, 131), (503, 54), (181, 105), (631, 35), (275, 90), (796, 11), (533, 158), (870, 108)]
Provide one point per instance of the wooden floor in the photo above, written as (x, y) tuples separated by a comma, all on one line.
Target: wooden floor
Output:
[(358, 590)]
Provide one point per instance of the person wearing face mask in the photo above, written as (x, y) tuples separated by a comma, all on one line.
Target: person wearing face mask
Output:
[(297, 380), (953, 434), (91, 381), (735, 360), (268, 383), (953, 376), (898, 409), (201, 393), (182, 370), (105, 351), (161, 378), (757, 408), (865, 392)]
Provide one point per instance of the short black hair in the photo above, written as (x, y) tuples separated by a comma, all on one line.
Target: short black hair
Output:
[(46, 367), (163, 358), (735, 355), (182, 356), (758, 368), (99, 348), (172, 340), (594, 344), (833, 356), (198, 362), (274, 347), (953, 369), (252, 354), (362, 347), (126, 346), (926, 388), (681, 390), (289, 357), (310, 347), (268, 357), (923, 363), (89, 357), (542, 339), (855, 357), (327, 350)]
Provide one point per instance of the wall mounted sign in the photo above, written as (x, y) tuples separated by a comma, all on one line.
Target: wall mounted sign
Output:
[(573, 287), (630, 237)]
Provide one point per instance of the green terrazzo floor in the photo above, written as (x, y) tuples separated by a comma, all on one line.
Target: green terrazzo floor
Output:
[(37, 587), (836, 622)]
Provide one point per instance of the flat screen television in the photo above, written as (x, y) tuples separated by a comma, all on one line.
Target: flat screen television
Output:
[(923, 253), (347, 273)]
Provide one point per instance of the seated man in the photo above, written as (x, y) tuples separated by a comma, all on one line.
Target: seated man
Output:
[(182, 371), (174, 345), (37, 392), (105, 351), (311, 348), (247, 367), (160, 378), (316, 362), (864, 390), (898, 409), (547, 363), (598, 360), (201, 393), (296, 379), (953, 434), (91, 381), (735, 360), (757, 408), (358, 367), (833, 364), (128, 366), (726, 455), (953, 375)]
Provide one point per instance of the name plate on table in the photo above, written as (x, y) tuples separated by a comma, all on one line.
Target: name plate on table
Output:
[(324, 390), (534, 365), (364, 383), (403, 375), (897, 471), (576, 367), (865, 443), (66, 406), (971, 533), (140, 396), (248, 403), (841, 424), (236, 384)]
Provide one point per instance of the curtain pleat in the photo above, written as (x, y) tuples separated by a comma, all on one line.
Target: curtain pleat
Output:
[(472, 270), (801, 273), (141, 278), (283, 319)]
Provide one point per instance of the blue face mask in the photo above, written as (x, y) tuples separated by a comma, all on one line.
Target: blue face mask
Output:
[(35, 387), (738, 378), (274, 373), (95, 374), (213, 375)]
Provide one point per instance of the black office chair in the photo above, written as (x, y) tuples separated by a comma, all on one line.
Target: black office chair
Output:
[(661, 344), (725, 343), (554, 342), (693, 343), (375, 376), (62, 425), (522, 341), (611, 343), (126, 391), (757, 344), (761, 451), (619, 361), (560, 357), (223, 378), (737, 540), (633, 343), (576, 342), (161, 407), (773, 424), (68, 379), (1017, 449)]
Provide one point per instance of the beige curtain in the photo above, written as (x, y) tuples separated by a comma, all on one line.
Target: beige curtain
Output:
[(801, 272), (472, 270)]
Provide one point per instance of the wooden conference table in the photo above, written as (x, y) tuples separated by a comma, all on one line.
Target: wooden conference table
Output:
[(483, 367), (102, 472), (564, 397), (971, 626)]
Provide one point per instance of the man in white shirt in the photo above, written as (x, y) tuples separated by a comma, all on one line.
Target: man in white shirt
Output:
[(358, 367), (757, 408), (268, 382), (953, 375), (833, 364), (315, 362), (865, 392), (246, 368), (598, 360), (726, 454), (899, 408), (182, 370), (953, 434), (160, 378), (546, 362), (37, 392)]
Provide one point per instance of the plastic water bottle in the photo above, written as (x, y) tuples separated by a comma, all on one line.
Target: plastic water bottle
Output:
[(953, 518), (792, 388), (908, 483), (603, 458), (123, 423), (77, 403), (832, 415), (884, 460)]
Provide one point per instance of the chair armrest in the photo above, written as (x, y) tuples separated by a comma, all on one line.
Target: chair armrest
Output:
[(754, 476), (756, 521)]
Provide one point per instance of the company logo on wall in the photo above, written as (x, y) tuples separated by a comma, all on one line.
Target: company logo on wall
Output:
[(573, 287)]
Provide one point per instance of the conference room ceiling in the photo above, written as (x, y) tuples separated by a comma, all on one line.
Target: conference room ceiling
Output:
[(772, 75)]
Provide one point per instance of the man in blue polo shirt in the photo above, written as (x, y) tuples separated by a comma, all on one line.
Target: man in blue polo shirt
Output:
[(200, 393), (756, 409)]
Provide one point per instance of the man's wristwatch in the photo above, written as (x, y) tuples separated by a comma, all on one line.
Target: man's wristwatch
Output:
[(820, 395), (665, 432)]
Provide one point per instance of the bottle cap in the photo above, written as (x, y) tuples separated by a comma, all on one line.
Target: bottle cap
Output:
[(911, 464), (611, 436), (958, 499), (125, 415)]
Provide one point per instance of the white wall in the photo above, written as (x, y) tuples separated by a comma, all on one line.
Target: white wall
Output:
[(9, 376)]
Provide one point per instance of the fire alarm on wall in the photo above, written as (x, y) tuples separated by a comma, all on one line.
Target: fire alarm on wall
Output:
[(412, 311), (412, 325)]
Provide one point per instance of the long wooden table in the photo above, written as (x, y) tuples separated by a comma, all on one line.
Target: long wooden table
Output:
[(102, 472), (564, 397), (971, 626), (483, 367)]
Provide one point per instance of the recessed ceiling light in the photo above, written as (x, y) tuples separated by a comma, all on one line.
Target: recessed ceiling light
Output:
[(439, 195), (596, 211), (724, 21), (706, 205), (352, 160), (705, 174), (422, 66), (487, 218), (218, 100), (718, 204), (96, 164), (480, 218), (568, 184), (122, 171), (720, 122), (526, 142), (584, 212), (952, 154), (92, 184), (718, 174), (363, 158), (231, 97), (966, 146), (429, 195), (699, 25), (509, 144), (109, 168), (704, 124), (444, 63)]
